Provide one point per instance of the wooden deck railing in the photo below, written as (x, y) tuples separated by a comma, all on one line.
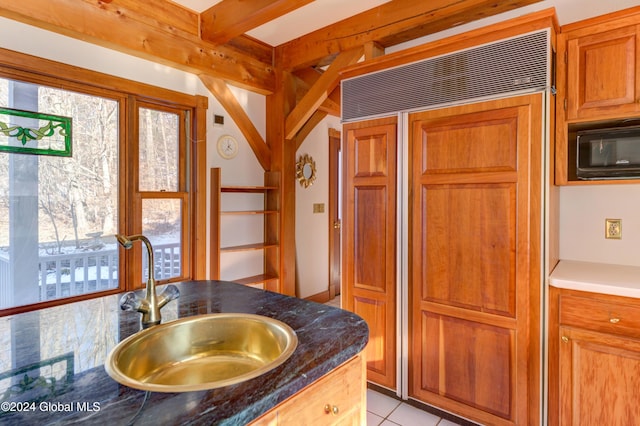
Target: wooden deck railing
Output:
[(71, 274)]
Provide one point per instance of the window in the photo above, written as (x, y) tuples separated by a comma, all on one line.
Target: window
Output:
[(131, 171), (162, 187)]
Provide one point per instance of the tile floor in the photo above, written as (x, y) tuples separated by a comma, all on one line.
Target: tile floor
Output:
[(383, 410)]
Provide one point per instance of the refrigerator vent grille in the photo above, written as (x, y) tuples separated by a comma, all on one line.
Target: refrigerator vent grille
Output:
[(503, 67)]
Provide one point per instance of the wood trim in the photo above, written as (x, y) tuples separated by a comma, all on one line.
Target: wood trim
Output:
[(20, 64), (214, 230), (133, 225), (322, 297), (199, 182), (335, 139), (553, 352)]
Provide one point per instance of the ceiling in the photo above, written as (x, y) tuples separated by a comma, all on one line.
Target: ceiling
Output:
[(307, 18)]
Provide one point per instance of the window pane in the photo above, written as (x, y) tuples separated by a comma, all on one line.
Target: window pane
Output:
[(159, 152), (58, 214), (162, 224)]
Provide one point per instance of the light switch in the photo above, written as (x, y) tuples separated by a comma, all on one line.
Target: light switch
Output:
[(318, 207)]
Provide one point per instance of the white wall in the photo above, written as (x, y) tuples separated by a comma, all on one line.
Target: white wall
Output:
[(583, 211), (312, 229)]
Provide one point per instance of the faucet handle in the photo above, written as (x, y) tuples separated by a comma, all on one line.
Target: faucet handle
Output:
[(170, 292), (129, 302)]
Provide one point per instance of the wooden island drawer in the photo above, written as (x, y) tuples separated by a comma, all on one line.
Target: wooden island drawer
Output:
[(335, 399), (621, 316)]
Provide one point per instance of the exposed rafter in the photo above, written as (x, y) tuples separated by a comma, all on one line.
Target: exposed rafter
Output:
[(389, 24), (305, 79), (231, 18), (229, 102), (126, 27), (319, 92), (315, 119)]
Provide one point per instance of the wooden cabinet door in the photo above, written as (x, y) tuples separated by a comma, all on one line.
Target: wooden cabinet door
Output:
[(369, 239), (603, 74), (599, 379), (475, 230), (339, 398)]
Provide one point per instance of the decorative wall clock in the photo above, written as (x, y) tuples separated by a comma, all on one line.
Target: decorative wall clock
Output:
[(227, 146)]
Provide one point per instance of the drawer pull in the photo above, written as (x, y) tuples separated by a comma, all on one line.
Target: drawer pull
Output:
[(565, 339), (331, 409), (614, 320)]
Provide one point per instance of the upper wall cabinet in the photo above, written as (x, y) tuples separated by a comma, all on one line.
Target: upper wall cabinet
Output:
[(598, 80), (602, 73)]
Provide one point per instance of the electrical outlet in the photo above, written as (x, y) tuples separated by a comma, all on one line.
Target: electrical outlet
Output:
[(613, 229)]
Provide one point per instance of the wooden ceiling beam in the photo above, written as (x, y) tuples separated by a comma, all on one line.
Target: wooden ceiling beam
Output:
[(126, 27), (315, 119), (257, 49), (305, 79), (389, 24), (331, 105), (231, 18), (223, 94), (319, 92)]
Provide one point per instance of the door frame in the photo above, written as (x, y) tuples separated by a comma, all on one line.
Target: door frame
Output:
[(335, 216)]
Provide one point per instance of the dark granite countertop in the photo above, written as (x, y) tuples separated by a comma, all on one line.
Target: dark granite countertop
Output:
[(52, 372)]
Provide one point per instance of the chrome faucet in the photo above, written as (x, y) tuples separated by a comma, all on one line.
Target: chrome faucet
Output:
[(150, 306)]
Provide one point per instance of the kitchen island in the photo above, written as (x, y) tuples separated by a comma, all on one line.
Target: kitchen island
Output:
[(52, 360)]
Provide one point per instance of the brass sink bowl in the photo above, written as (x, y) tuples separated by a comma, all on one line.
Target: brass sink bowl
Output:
[(201, 352)]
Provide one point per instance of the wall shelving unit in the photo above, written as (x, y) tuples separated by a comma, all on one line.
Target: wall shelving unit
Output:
[(270, 243)]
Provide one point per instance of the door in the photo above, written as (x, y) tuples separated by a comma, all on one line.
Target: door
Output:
[(369, 239), (475, 235), (334, 213)]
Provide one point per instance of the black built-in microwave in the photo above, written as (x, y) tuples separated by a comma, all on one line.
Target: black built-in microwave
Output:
[(612, 153)]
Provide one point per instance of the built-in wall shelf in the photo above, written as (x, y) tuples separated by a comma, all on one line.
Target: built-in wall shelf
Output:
[(264, 279), (247, 247), (249, 189), (241, 212), (269, 243)]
